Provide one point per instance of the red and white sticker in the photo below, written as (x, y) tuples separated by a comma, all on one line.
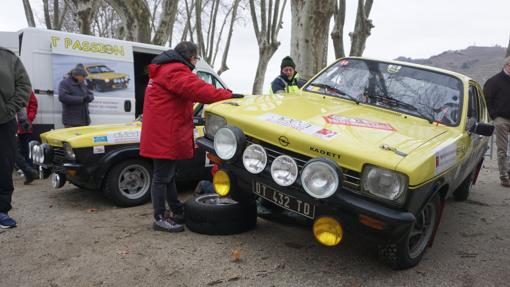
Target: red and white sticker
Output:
[(302, 126), (446, 157), (344, 121)]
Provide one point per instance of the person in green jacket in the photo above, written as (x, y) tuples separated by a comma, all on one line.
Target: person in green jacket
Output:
[(288, 81), (15, 89)]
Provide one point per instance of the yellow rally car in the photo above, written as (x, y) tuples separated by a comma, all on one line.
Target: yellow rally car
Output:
[(366, 146), (106, 157), (101, 78)]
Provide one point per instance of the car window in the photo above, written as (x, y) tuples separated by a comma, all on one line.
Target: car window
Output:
[(482, 111), (424, 93), (210, 79), (473, 106)]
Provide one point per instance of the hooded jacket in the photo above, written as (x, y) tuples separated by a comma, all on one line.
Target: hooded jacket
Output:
[(167, 127), (15, 85), (497, 94)]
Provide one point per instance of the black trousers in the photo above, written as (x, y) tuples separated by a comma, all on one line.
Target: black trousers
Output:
[(163, 188), (24, 139), (7, 154)]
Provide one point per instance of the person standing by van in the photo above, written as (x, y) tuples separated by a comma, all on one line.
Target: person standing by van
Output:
[(15, 90), (75, 97), (167, 127)]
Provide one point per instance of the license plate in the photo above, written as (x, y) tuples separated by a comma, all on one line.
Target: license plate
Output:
[(283, 200)]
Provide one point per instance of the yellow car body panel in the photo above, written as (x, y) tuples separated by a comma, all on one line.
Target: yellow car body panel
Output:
[(107, 76)]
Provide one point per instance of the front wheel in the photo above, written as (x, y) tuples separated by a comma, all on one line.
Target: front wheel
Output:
[(408, 252), (128, 183)]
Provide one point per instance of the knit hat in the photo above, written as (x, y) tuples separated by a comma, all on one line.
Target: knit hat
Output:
[(287, 62), (78, 71), (186, 49)]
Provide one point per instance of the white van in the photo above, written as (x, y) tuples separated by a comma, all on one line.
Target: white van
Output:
[(117, 72)]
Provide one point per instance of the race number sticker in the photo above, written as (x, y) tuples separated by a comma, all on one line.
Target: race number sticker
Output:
[(302, 126), (392, 69), (445, 158), (98, 149), (339, 120), (123, 137)]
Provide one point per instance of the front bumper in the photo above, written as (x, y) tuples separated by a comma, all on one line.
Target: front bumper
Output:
[(344, 205)]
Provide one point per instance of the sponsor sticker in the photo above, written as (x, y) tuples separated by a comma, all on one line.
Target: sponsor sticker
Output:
[(98, 149), (392, 69), (344, 121), (124, 137), (100, 139), (344, 63), (302, 126), (445, 158)]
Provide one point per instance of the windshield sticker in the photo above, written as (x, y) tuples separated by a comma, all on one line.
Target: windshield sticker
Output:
[(124, 137), (98, 149), (344, 121), (392, 69), (344, 63), (446, 158), (302, 126), (100, 139)]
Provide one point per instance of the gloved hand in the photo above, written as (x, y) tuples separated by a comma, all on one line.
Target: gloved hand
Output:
[(25, 125), (237, 96)]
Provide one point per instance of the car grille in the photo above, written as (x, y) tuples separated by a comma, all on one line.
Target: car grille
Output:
[(351, 178), (58, 155)]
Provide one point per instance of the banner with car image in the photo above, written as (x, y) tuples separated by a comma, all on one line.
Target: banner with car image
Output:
[(110, 69)]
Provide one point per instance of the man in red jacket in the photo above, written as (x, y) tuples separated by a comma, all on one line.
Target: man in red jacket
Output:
[(167, 128), (25, 119)]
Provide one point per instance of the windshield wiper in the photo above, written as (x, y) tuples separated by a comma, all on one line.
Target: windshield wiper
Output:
[(405, 105), (335, 90)]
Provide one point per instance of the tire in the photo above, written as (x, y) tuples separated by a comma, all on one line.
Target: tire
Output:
[(214, 215), (462, 192), (409, 251), (128, 182)]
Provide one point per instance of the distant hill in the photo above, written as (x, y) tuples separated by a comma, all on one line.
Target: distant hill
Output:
[(479, 63)]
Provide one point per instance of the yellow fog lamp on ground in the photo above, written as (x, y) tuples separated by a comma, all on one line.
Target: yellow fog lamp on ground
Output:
[(221, 183), (328, 231)]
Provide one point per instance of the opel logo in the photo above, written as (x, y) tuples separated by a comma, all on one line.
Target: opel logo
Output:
[(284, 141)]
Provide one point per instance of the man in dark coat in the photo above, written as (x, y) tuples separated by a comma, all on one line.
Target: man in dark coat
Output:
[(497, 93), (75, 98), (167, 128), (15, 89)]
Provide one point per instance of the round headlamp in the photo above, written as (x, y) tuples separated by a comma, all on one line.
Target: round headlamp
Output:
[(255, 158), (320, 178), (37, 153), (228, 141), (384, 183), (68, 152), (31, 145), (284, 170), (212, 124)]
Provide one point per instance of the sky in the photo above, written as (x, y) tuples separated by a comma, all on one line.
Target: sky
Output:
[(410, 28)]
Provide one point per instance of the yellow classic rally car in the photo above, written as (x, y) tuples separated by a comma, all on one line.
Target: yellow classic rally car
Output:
[(106, 157), (102, 78), (366, 146)]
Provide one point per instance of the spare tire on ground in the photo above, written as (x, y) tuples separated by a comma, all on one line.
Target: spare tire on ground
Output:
[(214, 215)]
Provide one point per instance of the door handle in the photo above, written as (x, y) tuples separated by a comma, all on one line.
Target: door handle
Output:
[(127, 106)]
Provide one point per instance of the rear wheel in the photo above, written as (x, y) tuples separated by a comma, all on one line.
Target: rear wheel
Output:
[(408, 252), (128, 182)]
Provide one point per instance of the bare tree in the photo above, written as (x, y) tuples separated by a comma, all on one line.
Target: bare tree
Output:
[(135, 15), (28, 13), (84, 11), (310, 20), (107, 22), (224, 66), (270, 19), (362, 28), (337, 34), (163, 33), (508, 50)]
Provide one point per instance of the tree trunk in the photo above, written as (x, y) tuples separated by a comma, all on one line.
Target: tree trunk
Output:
[(47, 17), (337, 35), (29, 14), (362, 28), (85, 10), (135, 15), (166, 23), (265, 54), (224, 66)]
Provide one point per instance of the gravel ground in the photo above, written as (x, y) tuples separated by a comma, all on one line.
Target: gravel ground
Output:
[(73, 237)]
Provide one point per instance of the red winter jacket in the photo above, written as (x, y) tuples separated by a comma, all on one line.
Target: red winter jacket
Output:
[(167, 127), (31, 113)]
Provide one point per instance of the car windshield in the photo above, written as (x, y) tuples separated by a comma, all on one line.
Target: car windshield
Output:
[(427, 94), (98, 69)]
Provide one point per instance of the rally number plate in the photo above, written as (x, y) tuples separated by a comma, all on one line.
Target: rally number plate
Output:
[(286, 201)]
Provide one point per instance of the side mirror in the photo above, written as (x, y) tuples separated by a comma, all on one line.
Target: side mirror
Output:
[(198, 121), (483, 129)]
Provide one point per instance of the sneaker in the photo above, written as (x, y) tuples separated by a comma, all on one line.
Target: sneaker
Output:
[(6, 221), (505, 182), (167, 225)]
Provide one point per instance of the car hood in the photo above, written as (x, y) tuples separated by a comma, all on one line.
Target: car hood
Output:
[(94, 135), (323, 126), (110, 75)]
